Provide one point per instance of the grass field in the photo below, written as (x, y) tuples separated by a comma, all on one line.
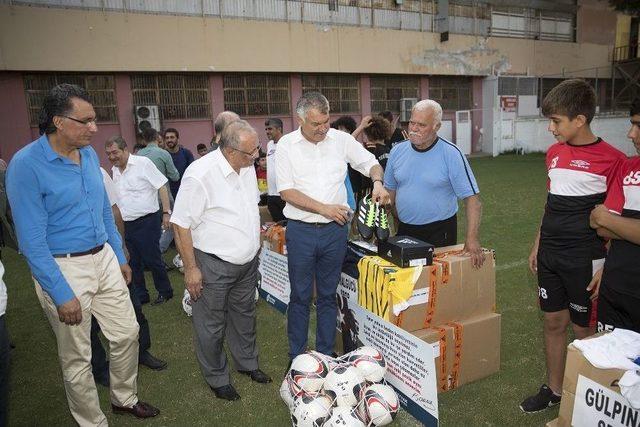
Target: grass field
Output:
[(513, 194)]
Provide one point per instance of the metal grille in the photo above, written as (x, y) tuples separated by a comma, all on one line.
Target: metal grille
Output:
[(518, 86), (257, 94), (342, 91), (100, 87), (386, 91), (180, 96), (452, 92)]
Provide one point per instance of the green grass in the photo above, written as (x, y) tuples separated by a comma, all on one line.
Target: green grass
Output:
[(513, 194)]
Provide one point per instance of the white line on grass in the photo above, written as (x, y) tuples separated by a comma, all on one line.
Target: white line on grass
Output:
[(510, 265)]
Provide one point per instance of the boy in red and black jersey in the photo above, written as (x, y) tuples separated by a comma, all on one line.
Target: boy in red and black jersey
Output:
[(619, 220), (567, 252)]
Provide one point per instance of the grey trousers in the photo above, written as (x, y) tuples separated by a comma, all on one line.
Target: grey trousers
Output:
[(226, 308)]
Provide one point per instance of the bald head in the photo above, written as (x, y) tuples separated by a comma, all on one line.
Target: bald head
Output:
[(222, 121)]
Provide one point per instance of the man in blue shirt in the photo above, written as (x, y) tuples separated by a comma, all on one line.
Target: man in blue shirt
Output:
[(425, 176), (181, 157), (65, 229)]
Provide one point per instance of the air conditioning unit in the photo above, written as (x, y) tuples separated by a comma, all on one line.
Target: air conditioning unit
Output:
[(406, 104), (147, 116)]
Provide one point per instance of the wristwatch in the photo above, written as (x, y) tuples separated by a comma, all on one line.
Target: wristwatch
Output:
[(167, 212)]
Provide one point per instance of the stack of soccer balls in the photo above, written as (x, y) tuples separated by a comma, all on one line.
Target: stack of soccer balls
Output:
[(348, 391)]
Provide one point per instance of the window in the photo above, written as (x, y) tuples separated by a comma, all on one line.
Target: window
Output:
[(518, 86), (100, 87), (342, 91), (452, 92), (386, 91), (257, 94), (180, 96)]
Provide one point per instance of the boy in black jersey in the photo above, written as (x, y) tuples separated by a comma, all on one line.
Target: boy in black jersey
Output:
[(619, 220), (567, 252)]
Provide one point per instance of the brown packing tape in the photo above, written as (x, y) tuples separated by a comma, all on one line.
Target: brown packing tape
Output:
[(455, 369), (442, 383), (433, 296)]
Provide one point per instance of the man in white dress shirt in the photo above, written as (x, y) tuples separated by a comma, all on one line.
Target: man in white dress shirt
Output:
[(138, 182), (217, 232), (311, 165)]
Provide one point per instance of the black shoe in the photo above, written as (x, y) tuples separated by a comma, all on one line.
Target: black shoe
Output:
[(226, 392), (161, 300), (366, 217), (545, 398), (139, 410), (144, 300), (152, 362), (257, 376)]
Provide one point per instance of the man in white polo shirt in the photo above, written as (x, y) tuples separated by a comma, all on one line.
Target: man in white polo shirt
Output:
[(139, 181), (311, 165), (217, 232)]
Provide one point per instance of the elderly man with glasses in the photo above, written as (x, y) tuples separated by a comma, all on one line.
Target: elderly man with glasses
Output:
[(217, 232)]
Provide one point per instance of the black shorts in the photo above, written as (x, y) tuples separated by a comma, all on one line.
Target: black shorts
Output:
[(562, 285), (617, 310), (438, 233)]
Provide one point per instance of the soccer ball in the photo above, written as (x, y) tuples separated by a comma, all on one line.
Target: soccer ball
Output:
[(186, 303), (331, 362), (308, 372), (380, 404), (310, 411), (369, 361), (344, 416), (343, 385), (177, 261), (289, 391)]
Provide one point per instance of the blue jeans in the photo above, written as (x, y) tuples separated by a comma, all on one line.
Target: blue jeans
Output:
[(314, 252)]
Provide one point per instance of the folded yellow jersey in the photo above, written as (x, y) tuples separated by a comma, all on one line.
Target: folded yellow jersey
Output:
[(382, 283)]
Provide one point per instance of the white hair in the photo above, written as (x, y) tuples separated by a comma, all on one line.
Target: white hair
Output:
[(429, 104)]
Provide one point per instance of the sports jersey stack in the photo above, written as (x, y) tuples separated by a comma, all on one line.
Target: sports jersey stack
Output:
[(449, 304)]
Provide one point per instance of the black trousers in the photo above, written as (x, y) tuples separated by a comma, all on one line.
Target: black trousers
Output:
[(438, 233), (4, 371), (275, 206), (99, 364)]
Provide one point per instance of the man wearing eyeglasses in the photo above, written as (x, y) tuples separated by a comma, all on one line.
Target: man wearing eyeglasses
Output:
[(65, 229), (217, 232)]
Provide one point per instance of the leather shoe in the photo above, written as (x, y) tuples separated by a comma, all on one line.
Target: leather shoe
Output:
[(152, 362), (257, 376), (161, 300), (227, 392), (140, 410)]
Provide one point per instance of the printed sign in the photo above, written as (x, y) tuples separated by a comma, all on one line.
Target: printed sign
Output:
[(274, 283), (410, 361), (509, 104), (598, 406)]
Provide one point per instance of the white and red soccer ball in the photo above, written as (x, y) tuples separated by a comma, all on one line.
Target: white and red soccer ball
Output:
[(369, 361)]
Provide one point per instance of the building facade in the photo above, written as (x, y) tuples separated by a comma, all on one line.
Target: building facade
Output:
[(195, 58)]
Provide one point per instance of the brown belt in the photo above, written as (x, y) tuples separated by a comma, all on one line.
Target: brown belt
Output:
[(75, 254)]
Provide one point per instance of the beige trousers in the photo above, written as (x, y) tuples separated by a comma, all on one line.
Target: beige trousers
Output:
[(98, 284)]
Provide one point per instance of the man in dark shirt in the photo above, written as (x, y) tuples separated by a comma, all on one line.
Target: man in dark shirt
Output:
[(180, 155), (398, 134)]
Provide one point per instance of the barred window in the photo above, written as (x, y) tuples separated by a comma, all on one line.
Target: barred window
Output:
[(452, 92), (386, 91), (180, 96), (257, 94), (100, 87), (342, 90)]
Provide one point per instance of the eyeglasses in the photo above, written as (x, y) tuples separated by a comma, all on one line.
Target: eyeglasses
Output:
[(251, 154), (83, 122)]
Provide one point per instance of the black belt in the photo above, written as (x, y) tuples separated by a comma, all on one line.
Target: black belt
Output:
[(143, 216), (315, 224), (92, 251)]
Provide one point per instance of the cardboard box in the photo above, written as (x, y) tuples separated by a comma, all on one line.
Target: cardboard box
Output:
[(450, 290), (606, 380), (273, 238), (552, 423), (405, 251), (466, 351)]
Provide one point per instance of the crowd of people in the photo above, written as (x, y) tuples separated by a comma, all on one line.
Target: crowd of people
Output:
[(88, 235)]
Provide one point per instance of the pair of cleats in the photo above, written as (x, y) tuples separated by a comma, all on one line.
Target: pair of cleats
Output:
[(545, 398), (372, 219)]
